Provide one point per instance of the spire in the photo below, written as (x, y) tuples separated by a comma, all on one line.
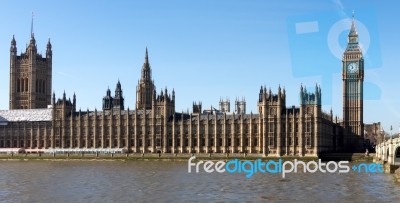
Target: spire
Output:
[(279, 89), (353, 37), (118, 87), (146, 58), (13, 42), (54, 98), (13, 48), (108, 91), (32, 43), (118, 90), (48, 44), (74, 101), (353, 31), (353, 44), (49, 53), (146, 71), (32, 35)]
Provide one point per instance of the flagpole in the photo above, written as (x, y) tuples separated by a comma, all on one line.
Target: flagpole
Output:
[(32, 25)]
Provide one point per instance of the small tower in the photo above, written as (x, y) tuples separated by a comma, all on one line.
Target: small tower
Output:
[(225, 105), (107, 100), (63, 107), (240, 106), (307, 98), (13, 50), (262, 100), (165, 103), (197, 108), (118, 100), (270, 103)]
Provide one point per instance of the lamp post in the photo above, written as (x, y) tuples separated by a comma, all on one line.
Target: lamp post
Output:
[(391, 133)]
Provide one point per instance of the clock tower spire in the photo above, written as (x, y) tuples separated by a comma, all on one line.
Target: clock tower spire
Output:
[(353, 82)]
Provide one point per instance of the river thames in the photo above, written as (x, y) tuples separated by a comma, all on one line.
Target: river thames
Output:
[(169, 181)]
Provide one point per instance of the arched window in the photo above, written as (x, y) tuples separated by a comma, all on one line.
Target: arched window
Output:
[(22, 87), (40, 86), (18, 85), (26, 84), (44, 86)]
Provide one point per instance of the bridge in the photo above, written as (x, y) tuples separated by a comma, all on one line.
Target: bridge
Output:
[(388, 151)]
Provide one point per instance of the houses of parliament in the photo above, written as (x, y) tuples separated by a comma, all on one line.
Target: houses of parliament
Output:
[(36, 119)]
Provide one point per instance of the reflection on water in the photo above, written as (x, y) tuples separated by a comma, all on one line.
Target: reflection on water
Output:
[(165, 181)]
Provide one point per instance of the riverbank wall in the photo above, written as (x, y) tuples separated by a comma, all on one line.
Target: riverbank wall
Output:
[(175, 157)]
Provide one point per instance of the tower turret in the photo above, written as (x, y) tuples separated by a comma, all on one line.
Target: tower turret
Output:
[(225, 105), (74, 102), (13, 48), (307, 98), (197, 108), (118, 100), (13, 52), (173, 95), (107, 100), (53, 99), (144, 94), (49, 52), (118, 90), (240, 106)]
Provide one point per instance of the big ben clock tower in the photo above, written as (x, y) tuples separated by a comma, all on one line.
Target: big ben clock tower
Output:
[(353, 81)]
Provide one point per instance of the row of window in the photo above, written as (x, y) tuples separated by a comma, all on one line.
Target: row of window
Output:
[(158, 142), (23, 85), (40, 86)]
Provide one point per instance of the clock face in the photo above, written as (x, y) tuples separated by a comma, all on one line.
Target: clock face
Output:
[(352, 67)]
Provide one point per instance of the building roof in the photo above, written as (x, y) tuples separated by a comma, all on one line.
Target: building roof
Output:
[(25, 115)]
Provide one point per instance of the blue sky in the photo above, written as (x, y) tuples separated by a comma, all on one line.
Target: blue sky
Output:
[(206, 49)]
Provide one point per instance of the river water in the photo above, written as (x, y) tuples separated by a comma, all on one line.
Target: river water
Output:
[(169, 181)]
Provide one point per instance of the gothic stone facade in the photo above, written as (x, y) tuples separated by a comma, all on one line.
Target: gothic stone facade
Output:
[(275, 130), (30, 77), (154, 126)]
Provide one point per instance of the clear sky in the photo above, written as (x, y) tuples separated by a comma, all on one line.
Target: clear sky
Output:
[(209, 49)]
